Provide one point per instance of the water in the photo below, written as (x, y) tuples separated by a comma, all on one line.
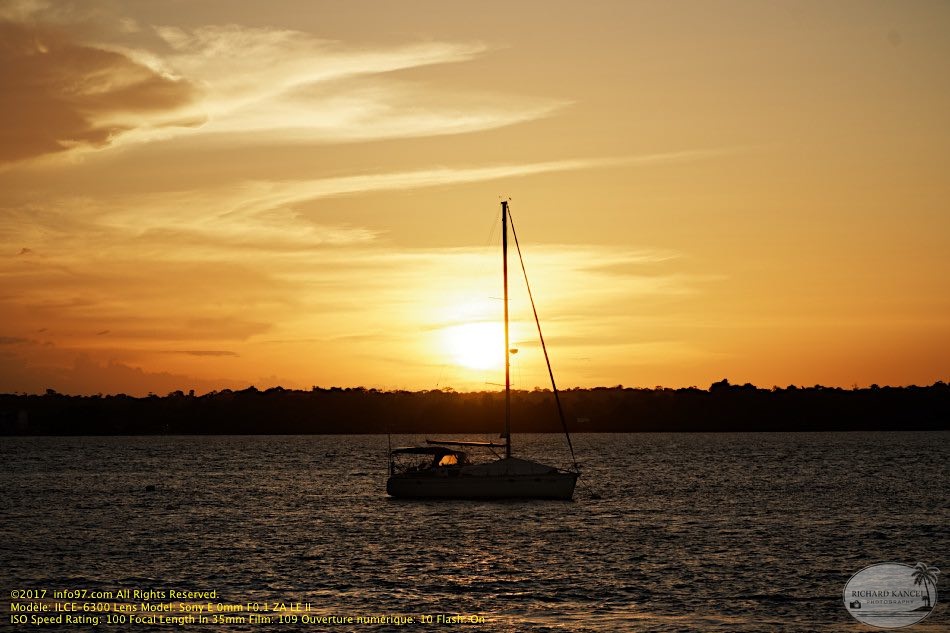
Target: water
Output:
[(731, 532)]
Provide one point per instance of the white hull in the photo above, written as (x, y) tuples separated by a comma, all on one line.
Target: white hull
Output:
[(558, 485)]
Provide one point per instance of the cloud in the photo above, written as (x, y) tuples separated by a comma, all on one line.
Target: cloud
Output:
[(241, 63), (259, 196), (295, 87), (58, 11), (22, 10), (220, 224), (260, 214), (60, 94), (82, 374), (373, 108), (237, 83), (204, 352)]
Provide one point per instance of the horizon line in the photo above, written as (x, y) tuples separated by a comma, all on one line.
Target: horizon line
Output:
[(718, 385)]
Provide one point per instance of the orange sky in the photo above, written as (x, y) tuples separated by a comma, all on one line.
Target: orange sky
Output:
[(207, 195)]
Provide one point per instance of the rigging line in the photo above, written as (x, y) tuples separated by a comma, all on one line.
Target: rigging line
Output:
[(547, 359), (491, 232)]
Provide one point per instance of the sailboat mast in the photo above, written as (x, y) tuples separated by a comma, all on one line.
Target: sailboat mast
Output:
[(504, 253)]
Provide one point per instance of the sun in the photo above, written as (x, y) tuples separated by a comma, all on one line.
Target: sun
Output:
[(478, 345)]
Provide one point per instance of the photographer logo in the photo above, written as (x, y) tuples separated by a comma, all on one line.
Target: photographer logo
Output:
[(892, 595)]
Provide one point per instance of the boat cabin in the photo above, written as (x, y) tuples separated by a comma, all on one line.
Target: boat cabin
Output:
[(418, 459)]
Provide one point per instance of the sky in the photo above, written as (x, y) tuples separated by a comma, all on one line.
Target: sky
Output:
[(211, 195)]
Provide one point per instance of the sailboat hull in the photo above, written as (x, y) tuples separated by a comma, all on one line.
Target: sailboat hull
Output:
[(556, 485)]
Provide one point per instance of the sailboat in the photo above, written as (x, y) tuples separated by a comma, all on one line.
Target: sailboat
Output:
[(443, 469)]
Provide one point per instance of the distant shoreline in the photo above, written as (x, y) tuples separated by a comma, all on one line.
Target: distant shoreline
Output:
[(358, 411)]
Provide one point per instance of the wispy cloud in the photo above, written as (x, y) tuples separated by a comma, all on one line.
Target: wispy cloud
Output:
[(241, 83), (224, 223), (204, 352), (293, 86), (260, 196), (13, 340), (371, 108)]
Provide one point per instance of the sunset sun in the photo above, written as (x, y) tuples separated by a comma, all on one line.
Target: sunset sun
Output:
[(478, 345)]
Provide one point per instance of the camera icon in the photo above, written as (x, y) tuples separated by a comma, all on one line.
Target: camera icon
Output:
[(855, 604)]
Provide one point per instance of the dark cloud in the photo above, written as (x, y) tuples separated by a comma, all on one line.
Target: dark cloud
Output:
[(58, 94)]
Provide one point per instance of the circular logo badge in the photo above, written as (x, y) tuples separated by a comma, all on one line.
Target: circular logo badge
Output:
[(892, 595)]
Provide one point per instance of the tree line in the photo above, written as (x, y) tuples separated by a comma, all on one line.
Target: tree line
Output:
[(723, 407)]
